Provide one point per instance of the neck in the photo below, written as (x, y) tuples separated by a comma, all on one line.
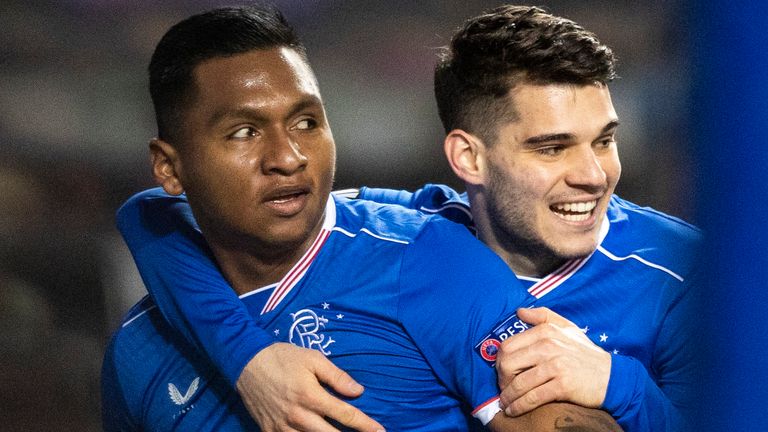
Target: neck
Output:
[(248, 265), (524, 262)]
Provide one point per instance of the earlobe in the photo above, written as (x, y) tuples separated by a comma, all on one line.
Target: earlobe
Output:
[(165, 166), (465, 153)]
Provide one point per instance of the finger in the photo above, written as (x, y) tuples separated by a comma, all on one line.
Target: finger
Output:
[(551, 346), (308, 421), (533, 399), (348, 415), (335, 378), (523, 350), (541, 315), (523, 383)]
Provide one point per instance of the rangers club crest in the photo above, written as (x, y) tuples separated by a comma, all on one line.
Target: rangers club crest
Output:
[(305, 331)]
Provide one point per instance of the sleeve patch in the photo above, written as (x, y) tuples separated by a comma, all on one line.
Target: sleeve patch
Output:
[(488, 347)]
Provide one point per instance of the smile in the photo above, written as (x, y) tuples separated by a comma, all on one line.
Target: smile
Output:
[(574, 212)]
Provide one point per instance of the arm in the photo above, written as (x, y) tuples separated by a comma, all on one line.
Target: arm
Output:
[(470, 297), (556, 417), (661, 399), (431, 199), (554, 361), (278, 382)]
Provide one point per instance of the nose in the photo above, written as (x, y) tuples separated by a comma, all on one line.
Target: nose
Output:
[(283, 155), (586, 170)]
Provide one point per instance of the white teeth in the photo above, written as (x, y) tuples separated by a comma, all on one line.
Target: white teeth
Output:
[(574, 217), (579, 207), (576, 212)]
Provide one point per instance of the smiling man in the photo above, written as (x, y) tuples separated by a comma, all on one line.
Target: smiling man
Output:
[(376, 288), (531, 130)]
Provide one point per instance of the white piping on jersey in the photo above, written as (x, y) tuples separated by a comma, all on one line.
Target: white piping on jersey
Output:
[(644, 261), (458, 206), (528, 278), (248, 294), (258, 290), (365, 230), (350, 193), (125, 324)]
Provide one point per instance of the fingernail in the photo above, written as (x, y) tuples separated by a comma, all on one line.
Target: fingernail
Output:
[(355, 387)]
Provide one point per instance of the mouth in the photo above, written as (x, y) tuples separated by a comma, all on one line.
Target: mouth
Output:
[(287, 201), (574, 211)]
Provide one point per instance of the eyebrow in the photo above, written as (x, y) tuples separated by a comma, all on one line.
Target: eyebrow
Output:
[(256, 114), (539, 139)]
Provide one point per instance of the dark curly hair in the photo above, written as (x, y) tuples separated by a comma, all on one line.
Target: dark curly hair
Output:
[(493, 52)]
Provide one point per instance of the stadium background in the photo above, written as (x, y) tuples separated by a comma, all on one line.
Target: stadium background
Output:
[(75, 117)]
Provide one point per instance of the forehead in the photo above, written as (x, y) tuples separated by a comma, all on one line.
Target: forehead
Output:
[(257, 77), (560, 108)]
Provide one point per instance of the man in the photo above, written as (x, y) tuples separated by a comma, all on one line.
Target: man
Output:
[(531, 130), (377, 288)]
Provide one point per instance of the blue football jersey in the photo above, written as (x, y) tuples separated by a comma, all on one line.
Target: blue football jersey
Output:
[(634, 296), (400, 300)]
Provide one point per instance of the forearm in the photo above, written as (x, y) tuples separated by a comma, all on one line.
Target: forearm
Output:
[(556, 416), (637, 402)]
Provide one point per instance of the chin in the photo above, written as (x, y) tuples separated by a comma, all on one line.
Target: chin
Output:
[(572, 251)]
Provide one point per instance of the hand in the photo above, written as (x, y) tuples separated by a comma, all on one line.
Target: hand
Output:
[(281, 388), (553, 361)]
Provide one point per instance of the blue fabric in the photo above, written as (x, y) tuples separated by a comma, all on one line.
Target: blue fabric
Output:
[(395, 298), (170, 252), (630, 301)]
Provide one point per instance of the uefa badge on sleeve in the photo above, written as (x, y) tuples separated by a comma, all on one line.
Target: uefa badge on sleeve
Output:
[(488, 348)]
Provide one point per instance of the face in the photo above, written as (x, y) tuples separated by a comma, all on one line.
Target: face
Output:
[(257, 158), (551, 173)]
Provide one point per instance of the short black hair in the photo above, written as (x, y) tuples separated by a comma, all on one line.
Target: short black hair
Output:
[(220, 32), (493, 52)]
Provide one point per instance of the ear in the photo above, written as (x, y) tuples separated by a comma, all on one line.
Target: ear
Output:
[(466, 156), (165, 166)]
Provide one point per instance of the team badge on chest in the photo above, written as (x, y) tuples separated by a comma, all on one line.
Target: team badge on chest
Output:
[(306, 331)]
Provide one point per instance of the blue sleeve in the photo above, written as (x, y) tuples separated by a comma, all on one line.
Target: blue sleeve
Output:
[(454, 292), (661, 399), (116, 415), (180, 274), (431, 199)]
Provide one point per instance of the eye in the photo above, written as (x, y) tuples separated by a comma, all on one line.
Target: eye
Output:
[(551, 150), (606, 143), (305, 124), (244, 132)]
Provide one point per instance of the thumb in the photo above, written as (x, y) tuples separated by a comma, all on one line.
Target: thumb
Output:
[(541, 315), (337, 379)]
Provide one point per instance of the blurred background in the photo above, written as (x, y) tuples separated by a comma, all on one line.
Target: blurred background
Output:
[(75, 119)]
